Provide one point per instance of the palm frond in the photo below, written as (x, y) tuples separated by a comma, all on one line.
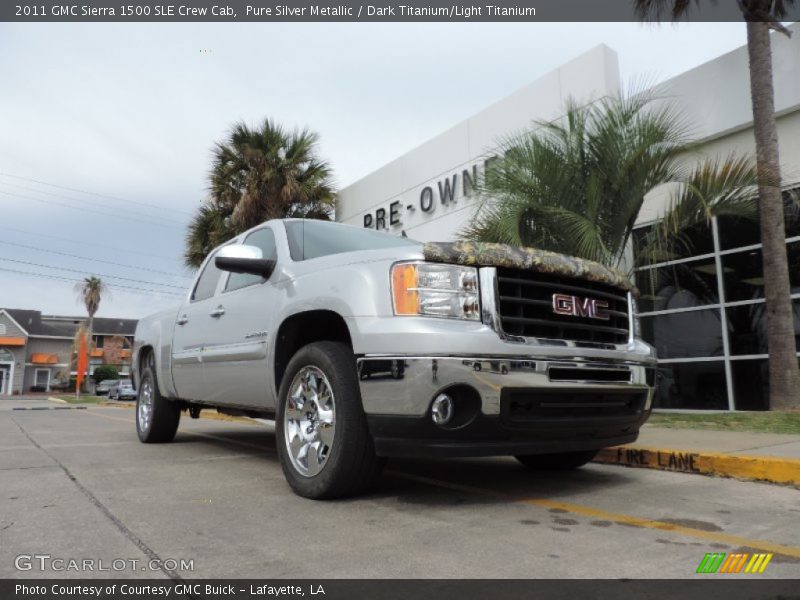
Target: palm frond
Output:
[(259, 174), (577, 185), (715, 187)]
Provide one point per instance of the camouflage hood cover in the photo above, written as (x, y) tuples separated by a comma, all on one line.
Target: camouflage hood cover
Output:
[(502, 255)]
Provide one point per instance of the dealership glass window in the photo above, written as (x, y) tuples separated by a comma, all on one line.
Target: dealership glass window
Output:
[(735, 232), (678, 285), (751, 384), (700, 385), (743, 273), (747, 328), (693, 342), (695, 241), (696, 333)]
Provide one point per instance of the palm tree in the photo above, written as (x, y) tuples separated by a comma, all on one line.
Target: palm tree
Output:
[(256, 175), (576, 186), (761, 16), (90, 292)]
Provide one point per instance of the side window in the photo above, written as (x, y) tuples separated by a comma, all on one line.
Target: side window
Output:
[(261, 238), (207, 284)]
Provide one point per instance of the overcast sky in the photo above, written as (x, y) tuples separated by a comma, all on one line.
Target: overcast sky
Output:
[(119, 120)]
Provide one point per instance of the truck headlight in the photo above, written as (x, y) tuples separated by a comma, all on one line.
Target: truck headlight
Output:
[(435, 290)]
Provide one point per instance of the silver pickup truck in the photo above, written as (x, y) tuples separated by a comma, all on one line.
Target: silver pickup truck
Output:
[(363, 345)]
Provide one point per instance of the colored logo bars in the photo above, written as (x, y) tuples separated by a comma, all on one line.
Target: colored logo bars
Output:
[(716, 562)]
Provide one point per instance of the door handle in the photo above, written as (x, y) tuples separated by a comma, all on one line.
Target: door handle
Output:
[(182, 320), (217, 312)]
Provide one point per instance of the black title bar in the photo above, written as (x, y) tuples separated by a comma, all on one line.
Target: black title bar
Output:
[(350, 10), (698, 588)]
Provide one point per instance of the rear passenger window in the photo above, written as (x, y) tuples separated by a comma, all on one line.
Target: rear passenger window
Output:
[(261, 238), (207, 284)]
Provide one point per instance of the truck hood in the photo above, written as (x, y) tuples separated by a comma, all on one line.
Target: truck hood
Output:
[(542, 261)]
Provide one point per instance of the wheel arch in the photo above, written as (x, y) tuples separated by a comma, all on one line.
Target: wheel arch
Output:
[(138, 361), (303, 328)]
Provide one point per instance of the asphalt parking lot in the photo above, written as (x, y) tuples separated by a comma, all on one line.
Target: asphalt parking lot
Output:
[(77, 484)]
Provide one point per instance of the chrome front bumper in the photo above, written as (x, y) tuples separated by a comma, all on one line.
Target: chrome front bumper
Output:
[(406, 385)]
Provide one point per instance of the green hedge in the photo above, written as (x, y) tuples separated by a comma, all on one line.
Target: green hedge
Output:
[(105, 372)]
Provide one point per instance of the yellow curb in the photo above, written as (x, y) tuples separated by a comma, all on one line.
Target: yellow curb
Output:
[(773, 469), (59, 400)]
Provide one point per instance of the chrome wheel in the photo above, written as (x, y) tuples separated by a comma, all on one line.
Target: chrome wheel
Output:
[(309, 421), (144, 410)]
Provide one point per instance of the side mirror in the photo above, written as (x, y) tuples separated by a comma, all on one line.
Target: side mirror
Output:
[(244, 259)]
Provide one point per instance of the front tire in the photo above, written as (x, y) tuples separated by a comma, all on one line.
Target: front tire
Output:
[(564, 461), (156, 417), (324, 444)]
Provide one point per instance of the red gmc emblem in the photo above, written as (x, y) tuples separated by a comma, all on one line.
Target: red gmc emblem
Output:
[(575, 306)]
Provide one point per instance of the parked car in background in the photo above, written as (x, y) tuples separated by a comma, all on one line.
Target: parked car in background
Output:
[(122, 391), (104, 387)]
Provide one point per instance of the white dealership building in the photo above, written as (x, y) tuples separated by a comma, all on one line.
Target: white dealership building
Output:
[(711, 346)]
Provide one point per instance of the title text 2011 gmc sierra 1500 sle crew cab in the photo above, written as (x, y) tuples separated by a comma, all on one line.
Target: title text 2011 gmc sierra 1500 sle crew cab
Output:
[(363, 345)]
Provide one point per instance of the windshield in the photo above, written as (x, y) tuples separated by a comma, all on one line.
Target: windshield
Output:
[(312, 239)]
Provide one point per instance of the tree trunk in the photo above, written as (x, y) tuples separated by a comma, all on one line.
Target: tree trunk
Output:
[(784, 376)]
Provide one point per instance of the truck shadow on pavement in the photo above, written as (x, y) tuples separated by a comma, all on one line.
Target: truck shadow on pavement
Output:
[(427, 481)]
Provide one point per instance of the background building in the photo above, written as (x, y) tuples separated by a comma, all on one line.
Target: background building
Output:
[(36, 350), (705, 311)]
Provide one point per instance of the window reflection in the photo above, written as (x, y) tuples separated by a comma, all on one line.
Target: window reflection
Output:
[(751, 384), (697, 334), (678, 286), (735, 232), (685, 335), (747, 328), (694, 241), (692, 385), (744, 274)]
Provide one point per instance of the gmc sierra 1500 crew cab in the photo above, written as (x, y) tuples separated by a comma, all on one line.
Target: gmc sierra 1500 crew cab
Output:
[(362, 345)]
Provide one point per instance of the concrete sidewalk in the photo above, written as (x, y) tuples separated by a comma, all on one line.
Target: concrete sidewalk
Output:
[(724, 442), (770, 457)]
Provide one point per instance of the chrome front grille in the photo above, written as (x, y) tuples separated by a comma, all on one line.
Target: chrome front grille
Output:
[(526, 308)]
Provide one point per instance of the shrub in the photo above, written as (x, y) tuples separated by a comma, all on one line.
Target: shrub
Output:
[(105, 372)]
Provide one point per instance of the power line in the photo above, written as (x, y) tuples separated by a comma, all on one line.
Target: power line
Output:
[(82, 243), (92, 203), (63, 187), (84, 209), (113, 285), (99, 260), (33, 264)]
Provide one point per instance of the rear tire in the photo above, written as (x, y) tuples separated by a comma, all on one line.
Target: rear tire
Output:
[(156, 417), (564, 461), (323, 441)]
